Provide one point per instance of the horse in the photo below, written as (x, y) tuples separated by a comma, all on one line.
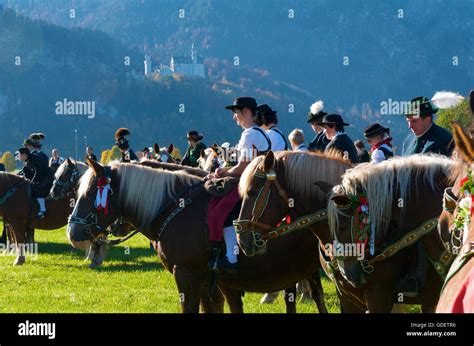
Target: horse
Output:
[(161, 204), (282, 184), (65, 184), (18, 210), (217, 156), (458, 289), (163, 154), (384, 214)]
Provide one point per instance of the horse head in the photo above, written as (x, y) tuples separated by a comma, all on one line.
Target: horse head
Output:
[(96, 206)]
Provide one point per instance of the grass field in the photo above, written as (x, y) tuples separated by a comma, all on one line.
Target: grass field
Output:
[(131, 280)]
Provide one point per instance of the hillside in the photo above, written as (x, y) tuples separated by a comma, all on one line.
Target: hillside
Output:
[(84, 65)]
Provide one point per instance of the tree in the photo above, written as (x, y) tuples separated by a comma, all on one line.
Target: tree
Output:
[(115, 153), (104, 157), (461, 113), (9, 161)]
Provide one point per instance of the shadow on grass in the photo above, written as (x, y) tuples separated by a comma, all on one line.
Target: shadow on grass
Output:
[(117, 258)]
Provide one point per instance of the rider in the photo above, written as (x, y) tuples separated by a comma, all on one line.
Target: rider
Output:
[(379, 138), (270, 120), (122, 143), (222, 211), (426, 137), (333, 125), (315, 116), (38, 173), (194, 149)]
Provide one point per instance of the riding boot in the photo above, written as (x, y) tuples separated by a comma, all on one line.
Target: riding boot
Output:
[(412, 285), (215, 250)]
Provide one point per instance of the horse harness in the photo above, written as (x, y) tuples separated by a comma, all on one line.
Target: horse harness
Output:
[(270, 232)]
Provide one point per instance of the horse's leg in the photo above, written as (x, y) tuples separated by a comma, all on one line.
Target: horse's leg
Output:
[(348, 307), (216, 305), (96, 255), (290, 300), (30, 234), (269, 298), (304, 288), (18, 230), (234, 300), (189, 287), (379, 299), (317, 292)]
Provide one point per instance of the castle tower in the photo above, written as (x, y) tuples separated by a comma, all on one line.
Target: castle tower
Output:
[(147, 63)]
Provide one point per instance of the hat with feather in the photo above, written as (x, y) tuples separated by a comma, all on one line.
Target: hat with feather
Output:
[(316, 113), (421, 106), (36, 139), (120, 139)]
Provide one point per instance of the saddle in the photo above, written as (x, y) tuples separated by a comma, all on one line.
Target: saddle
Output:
[(220, 187)]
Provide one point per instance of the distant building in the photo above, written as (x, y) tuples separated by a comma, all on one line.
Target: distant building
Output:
[(147, 62), (186, 66)]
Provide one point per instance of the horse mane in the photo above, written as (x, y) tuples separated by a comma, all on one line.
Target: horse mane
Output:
[(302, 170), (143, 190), (81, 167), (379, 181), (174, 167)]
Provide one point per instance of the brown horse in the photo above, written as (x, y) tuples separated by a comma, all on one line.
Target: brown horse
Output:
[(388, 208), (19, 209), (162, 203), (458, 291), (294, 194), (163, 154)]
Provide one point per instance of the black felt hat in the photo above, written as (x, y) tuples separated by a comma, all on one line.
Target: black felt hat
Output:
[(194, 135), (243, 102), (333, 119), (375, 130), (420, 106)]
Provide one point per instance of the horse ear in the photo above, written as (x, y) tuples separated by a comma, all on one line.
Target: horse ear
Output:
[(323, 186), (96, 167), (269, 161), (215, 145), (70, 162), (463, 142), (340, 200), (215, 148), (170, 148), (156, 148), (202, 154)]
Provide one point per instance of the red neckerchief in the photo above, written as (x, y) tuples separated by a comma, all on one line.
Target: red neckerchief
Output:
[(387, 141)]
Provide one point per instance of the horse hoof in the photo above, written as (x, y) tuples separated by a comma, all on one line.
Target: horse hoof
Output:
[(269, 298), (19, 261), (94, 265)]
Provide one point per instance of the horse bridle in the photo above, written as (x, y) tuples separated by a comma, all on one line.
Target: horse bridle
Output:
[(90, 220), (260, 204), (66, 186)]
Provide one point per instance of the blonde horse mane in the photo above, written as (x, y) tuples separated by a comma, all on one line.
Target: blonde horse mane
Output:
[(144, 190), (379, 181), (302, 170)]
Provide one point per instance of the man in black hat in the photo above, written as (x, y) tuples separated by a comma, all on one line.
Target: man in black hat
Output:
[(381, 142), (426, 136), (194, 150), (39, 175), (122, 143), (333, 125), (222, 211), (315, 116)]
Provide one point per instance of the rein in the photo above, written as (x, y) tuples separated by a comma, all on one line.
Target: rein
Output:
[(13, 189), (270, 232)]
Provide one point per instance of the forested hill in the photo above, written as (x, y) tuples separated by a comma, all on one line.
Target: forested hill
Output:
[(42, 64)]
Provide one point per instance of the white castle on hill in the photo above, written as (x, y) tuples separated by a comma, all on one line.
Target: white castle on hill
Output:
[(187, 66)]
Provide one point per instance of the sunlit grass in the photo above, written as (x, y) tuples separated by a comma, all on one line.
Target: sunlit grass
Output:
[(131, 280)]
